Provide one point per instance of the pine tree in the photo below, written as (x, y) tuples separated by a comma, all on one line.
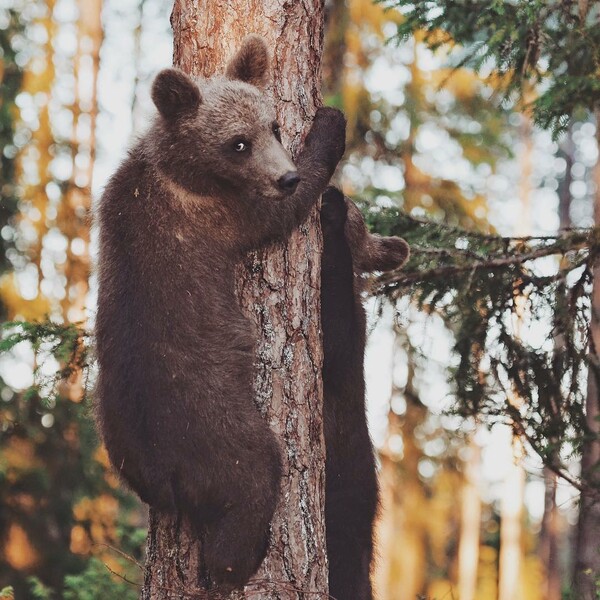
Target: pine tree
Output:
[(552, 47)]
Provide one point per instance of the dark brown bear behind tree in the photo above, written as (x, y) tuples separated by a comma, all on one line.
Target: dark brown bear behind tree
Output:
[(351, 499), (207, 183)]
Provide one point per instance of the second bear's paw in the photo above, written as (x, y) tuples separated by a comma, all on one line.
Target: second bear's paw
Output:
[(388, 253), (333, 208)]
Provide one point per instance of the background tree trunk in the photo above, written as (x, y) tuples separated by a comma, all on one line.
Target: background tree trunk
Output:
[(549, 539), (470, 525), (550, 530), (279, 291), (587, 550)]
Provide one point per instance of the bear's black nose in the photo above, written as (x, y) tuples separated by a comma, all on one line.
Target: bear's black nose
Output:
[(289, 182)]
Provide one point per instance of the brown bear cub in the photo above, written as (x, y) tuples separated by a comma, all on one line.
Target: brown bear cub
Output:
[(207, 183), (351, 496)]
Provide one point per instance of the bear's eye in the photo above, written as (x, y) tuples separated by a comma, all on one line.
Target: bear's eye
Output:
[(241, 146), (276, 131)]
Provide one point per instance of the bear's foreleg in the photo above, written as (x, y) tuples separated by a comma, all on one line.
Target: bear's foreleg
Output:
[(274, 220)]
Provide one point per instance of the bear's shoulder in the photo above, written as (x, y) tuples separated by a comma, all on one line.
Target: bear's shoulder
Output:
[(133, 173)]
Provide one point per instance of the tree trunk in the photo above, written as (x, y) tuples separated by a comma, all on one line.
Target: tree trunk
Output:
[(550, 527), (74, 211), (469, 542), (549, 539), (511, 514), (279, 291), (587, 551)]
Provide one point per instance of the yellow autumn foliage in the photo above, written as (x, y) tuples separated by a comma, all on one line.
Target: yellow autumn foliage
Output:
[(441, 588), (18, 551), (18, 307), (461, 83), (18, 455), (487, 574), (96, 524), (368, 14)]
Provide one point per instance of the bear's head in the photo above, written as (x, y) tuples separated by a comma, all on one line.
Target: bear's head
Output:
[(220, 135)]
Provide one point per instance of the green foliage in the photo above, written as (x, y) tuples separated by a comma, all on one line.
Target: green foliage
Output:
[(524, 43), (67, 344), (96, 581), (7, 593), (518, 310), (55, 440), (38, 590), (569, 593)]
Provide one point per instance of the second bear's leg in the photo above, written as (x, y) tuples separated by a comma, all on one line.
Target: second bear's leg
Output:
[(350, 580), (351, 485), (350, 509)]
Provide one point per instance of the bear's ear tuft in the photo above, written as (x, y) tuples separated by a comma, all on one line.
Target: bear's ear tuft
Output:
[(175, 94), (251, 63)]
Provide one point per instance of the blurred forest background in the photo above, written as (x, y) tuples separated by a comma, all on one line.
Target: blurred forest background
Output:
[(479, 351)]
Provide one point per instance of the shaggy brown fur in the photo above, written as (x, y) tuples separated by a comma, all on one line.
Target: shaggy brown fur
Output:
[(351, 480), (208, 182)]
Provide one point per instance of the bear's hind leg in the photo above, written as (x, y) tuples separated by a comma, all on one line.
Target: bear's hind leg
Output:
[(246, 490), (235, 545)]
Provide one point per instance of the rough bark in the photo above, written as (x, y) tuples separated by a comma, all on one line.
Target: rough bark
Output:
[(279, 291), (587, 551)]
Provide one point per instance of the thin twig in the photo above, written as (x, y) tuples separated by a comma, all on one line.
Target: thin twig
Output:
[(123, 554), (122, 576), (401, 278)]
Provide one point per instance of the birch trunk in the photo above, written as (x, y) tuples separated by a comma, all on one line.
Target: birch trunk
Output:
[(279, 291), (74, 212), (513, 495)]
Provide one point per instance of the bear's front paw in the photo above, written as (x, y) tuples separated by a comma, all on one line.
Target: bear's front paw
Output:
[(327, 136), (333, 209)]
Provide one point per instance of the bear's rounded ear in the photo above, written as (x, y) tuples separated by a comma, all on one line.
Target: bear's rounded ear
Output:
[(175, 94), (251, 63)]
